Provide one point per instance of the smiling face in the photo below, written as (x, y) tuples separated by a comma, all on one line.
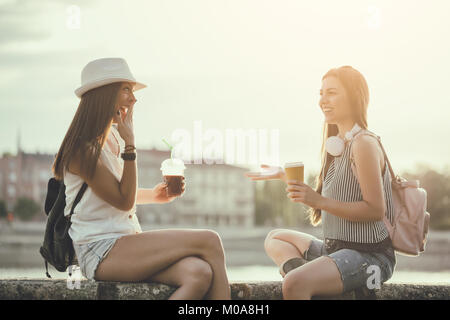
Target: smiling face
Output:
[(125, 99), (334, 101)]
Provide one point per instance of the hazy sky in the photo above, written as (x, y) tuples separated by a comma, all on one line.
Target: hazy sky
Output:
[(232, 64)]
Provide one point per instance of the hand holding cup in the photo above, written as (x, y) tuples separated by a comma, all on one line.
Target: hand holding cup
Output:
[(301, 192), (173, 173), (160, 192)]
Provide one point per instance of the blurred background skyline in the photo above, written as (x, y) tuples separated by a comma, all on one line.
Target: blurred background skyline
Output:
[(231, 64)]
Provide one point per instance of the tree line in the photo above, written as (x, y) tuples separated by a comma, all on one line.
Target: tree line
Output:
[(274, 208), (25, 209)]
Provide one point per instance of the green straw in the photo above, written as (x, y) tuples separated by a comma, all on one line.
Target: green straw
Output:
[(170, 147)]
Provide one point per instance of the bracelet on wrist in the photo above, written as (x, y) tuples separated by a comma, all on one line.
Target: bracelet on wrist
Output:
[(129, 148), (128, 156)]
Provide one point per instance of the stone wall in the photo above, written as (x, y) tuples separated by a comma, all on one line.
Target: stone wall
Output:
[(48, 289)]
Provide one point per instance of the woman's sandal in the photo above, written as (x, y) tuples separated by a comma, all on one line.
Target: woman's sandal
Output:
[(292, 264)]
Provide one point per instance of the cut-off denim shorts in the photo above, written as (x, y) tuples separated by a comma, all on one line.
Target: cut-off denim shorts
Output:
[(90, 255), (356, 266)]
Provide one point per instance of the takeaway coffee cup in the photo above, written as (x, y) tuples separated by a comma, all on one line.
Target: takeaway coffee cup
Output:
[(294, 171), (173, 173)]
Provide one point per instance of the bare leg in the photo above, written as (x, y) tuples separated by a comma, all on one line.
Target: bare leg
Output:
[(318, 277), (191, 275), (139, 256), (282, 245)]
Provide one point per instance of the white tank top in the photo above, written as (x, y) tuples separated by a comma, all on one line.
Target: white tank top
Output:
[(93, 218)]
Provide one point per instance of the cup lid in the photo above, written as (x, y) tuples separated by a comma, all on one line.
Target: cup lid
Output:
[(293, 164), (171, 164)]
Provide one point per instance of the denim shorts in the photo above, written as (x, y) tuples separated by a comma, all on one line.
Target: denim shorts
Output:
[(90, 255), (357, 268)]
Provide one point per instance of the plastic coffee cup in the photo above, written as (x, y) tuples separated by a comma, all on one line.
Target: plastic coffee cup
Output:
[(294, 171), (173, 173)]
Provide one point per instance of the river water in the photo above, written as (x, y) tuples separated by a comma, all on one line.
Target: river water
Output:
[(245, 256), (247, 273)]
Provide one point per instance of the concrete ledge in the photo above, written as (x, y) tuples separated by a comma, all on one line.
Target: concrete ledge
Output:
[(48, 289)]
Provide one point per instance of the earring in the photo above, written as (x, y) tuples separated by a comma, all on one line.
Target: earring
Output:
[(335, 145)]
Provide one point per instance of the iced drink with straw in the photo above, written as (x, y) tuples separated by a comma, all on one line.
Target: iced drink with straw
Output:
[(173, 173)]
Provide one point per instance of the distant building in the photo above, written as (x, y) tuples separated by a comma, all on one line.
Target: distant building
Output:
[(215, 194), (24, 175)]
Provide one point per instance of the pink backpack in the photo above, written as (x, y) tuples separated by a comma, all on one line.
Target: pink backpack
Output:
[(410, 226)]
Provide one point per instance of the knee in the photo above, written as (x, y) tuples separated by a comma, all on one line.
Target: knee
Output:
[(273, 232), (197, 272), (269, 238), (294, 284), (211, 243)]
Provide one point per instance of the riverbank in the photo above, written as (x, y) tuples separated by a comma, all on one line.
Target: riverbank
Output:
[(19, 247), (249, 273)]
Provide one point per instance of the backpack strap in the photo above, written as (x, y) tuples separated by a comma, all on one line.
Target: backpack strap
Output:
[(394, 178), (388, 163), (78, 198), (46, 269)]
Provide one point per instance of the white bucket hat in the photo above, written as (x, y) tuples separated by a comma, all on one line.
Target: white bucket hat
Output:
[(104, 71)]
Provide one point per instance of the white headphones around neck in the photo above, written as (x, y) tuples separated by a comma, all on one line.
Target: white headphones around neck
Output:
[(335, 145)]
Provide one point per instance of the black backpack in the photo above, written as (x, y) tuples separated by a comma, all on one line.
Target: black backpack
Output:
[(57, 248)]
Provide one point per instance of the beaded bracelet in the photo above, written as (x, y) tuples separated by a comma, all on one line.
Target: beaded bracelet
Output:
[(130, 148)]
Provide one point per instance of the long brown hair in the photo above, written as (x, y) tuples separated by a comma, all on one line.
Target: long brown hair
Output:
[(358, 96), (88, 131)]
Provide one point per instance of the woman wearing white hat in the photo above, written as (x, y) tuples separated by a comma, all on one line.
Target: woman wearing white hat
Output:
[(106, 234)]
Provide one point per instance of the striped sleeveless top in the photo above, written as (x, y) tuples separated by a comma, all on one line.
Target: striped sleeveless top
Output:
[(341, 184)]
